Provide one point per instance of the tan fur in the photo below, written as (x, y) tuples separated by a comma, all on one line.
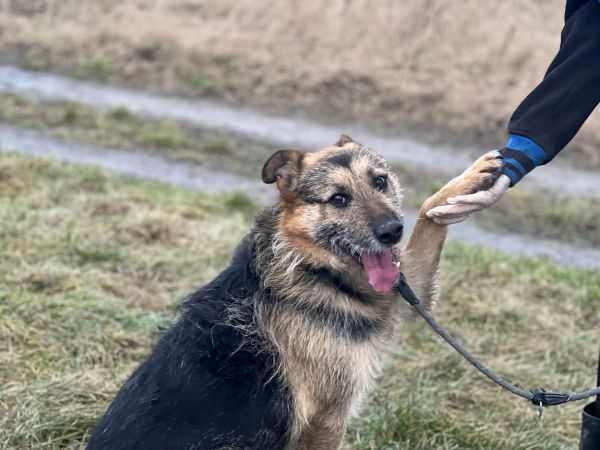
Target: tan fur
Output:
[(420, 257), (327, 373)]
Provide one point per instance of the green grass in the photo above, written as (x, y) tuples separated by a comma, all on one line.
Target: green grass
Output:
[(152, 63), (99, 69), (121, 129), (93, 265), (531, 321), (548, 215)]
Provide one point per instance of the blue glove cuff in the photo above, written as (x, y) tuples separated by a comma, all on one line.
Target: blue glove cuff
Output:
[(521, 155)]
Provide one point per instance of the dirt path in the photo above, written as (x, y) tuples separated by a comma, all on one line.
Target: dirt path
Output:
[(141, 165), (285, 131), (137, 164)]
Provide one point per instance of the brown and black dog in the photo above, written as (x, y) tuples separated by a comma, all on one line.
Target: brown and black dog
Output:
[(277, 352)]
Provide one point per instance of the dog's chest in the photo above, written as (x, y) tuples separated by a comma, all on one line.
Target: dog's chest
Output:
[(364, 364), (333, 380)]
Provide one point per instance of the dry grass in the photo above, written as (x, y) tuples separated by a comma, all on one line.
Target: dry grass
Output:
[(460, 67), (532, 322), (92, 266)]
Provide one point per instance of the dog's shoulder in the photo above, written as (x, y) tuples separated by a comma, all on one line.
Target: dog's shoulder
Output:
[(216, 329)]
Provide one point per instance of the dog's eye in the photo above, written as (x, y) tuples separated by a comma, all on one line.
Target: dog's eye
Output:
[(381, 183), (340, 200)]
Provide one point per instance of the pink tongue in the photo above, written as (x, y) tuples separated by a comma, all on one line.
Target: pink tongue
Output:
[(381, 270)]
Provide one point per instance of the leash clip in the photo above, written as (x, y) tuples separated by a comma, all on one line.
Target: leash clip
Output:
[(540, 408), (542, 398)]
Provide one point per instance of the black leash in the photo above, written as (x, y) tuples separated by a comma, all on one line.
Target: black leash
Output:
[(598, 383), (539, 397)]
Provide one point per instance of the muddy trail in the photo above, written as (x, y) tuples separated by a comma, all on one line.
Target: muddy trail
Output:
[(142, 165), (284, 131)]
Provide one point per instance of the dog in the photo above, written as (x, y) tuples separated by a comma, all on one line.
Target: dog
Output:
[(277, 352)]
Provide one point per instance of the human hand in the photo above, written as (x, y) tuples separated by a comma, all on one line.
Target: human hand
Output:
[(460, 207)]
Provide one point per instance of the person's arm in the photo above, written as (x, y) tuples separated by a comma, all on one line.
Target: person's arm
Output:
[(546, 121)]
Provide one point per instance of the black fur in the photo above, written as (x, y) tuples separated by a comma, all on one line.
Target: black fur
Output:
[(336, 281), (343, 159), (327, 233), (354, 327), (207, 384), (330, 237)]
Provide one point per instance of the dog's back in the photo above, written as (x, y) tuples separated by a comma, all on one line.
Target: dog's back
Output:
[(208, 384)]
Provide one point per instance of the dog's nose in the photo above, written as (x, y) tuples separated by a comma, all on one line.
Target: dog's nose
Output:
[(390, 231)]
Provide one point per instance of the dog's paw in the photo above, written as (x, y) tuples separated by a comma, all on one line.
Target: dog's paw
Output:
[(480, 176)]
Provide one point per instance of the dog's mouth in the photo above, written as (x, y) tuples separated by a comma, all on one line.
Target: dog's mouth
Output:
[(381, 266), (382, 269)]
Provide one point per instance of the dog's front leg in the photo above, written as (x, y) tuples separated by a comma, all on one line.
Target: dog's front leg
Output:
[(421, 256), (323, 433)]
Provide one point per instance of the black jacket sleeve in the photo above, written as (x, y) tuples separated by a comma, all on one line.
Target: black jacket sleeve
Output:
[(557, 108)]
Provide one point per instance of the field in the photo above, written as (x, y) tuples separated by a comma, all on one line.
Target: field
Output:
[(93, 266), (439, 69)]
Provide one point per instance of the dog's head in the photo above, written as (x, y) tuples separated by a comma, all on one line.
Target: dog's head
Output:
[(341, 209)]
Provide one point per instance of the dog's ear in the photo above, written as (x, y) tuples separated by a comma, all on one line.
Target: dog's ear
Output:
[(343, 140), (283, 167)]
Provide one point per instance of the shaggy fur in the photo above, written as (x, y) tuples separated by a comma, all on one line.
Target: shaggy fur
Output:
[(277, 352)]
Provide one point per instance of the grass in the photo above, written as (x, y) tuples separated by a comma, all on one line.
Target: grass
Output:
[(548, 215), (121, 129), (91, 268), (459, 70), (93, 265), (515, 314)]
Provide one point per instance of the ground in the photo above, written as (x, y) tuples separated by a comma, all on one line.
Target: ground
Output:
[(455, 70), (93, 266)]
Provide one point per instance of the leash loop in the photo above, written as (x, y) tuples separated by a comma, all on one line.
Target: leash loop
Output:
[(539, 397)]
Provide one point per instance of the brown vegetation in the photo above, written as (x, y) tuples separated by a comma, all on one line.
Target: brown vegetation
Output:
[(459, 67)]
